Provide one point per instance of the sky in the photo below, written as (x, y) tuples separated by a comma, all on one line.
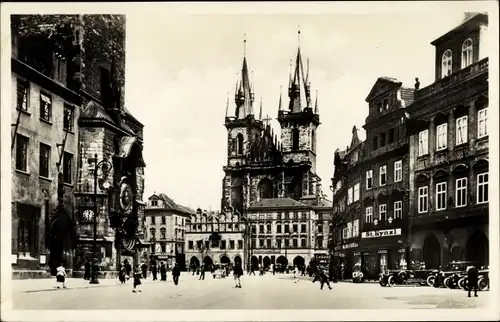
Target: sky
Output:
[(187, 64)]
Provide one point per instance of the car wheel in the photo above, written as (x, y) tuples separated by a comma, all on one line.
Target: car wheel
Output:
[(462, 282), (483, 284), (390, 281), (382, 282), (447, 282), (430, 280)]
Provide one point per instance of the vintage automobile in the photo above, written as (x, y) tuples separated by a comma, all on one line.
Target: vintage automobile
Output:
[(483, 282), (357, 274), (453, 273), (404, 277)]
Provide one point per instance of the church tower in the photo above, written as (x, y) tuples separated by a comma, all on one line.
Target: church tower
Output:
[(243, 129), (298, 131)]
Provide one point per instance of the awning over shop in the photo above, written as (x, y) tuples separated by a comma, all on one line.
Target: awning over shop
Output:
[(125, 148)]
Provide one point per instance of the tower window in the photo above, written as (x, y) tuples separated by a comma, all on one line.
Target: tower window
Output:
[(391, 136), (382, 139), (239, 144), (446, 61), (295, 139)]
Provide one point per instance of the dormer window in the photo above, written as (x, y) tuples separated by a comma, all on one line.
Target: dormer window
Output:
[(154, 203), (446, 61), (467, 53)]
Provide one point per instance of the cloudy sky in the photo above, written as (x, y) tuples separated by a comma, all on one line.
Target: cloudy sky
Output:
[(181, 67)]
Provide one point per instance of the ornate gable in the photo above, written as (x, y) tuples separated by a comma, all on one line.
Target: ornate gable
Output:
[(381, 86)]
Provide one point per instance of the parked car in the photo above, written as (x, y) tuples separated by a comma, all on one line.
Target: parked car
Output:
[(483, 282), (453, 273), (401, 276)]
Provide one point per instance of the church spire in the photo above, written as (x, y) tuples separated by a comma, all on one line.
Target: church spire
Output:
[(280, 104), (260, 110), (316, 110), (244, 100), (227, 104), (299, 92)]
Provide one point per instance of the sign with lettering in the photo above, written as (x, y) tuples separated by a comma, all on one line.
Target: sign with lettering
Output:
[(381, 233), (351, 245), (382, 251), (402, 250)]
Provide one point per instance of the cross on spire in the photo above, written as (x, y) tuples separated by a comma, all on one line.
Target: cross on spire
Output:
[(267, 120), (245, 45)]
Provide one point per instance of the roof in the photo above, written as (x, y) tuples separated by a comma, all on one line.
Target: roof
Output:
[(378, 88), (172, 205), (471, 22), (407, 95), (277, 203), (96, 111), (314, 202)]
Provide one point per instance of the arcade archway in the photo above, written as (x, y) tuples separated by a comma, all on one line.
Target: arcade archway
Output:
[(255, 262), (266, 262), (282, 261), (237, 260), (299, 261), (225, 260), (208, 261), (194, 262), (477, 249), (431, 252)]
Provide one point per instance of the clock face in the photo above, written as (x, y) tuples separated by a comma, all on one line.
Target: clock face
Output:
[(126, 198), (88, 215)]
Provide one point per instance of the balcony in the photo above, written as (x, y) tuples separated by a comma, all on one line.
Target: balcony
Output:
[(454, 79)]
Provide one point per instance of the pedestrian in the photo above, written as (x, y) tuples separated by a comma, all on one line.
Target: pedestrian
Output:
[(122, 274), (86, 274), (252, 270), (128, 268), (139, 271), (61, 276), (273, 270), (472, 279), (295, 274), (144, 268), (154, 271), (202, 272), (176, 272), (163, 271), (237, 272), (324, 279)]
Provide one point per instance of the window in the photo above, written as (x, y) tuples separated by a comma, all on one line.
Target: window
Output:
[(175, 220), (386, 104), (279, 216), (302, 242), (382, 139), (22, 94), (295, 216), (163, 247), (254, 229), (356, 192), (231, 244), (446, 67), (67, 167), (461, 192), (45, 106), (304, 216), (163, 220), (154, 203), (303, 228), (222, 244), (295, 243), (295, 139), (369, 215), (278, 229), (295, 228), (462, 130), (262, 216), (482, 123), (153, 248), (383, 175), (398, 210), (423, 201), (163, 233), (191, 244), (349, 229), (349, 196), (320, 229), (380, 107), (398, 171), (261, 229), (369, 179), (482, 187), (287, 242), (423, 142), (240, 244), (467, 53), (382, 212), (68, 118), (239, 144), (355, 228), (391, 136), (441, 196), (153, 220), (268, 243), (441, 133), (44, 160), (153, 232), (261, 243), (375, 143), (21, 152)]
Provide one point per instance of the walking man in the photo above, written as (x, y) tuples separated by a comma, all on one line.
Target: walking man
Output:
[(472, 278), (176, 272), (238, 272), (202, 272), (144, 268), (324, 279), (154, 270), (86, 275)]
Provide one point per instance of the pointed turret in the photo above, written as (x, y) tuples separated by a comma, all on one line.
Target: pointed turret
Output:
[(299, 90), (355, 139), (227, 104), (280, 104), (260, 110), (316, 109), (244, 96)]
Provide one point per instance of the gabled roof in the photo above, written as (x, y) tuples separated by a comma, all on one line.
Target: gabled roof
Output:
[(171, 205), (471, 22), (95, 110), (276, 203), (382, 84)]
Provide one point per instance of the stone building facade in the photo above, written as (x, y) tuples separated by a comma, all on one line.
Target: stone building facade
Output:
[(215, 238), (80, 115), (165, 229), (449, 152)]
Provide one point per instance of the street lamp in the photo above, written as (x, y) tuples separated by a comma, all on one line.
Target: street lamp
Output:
[(105, 168)]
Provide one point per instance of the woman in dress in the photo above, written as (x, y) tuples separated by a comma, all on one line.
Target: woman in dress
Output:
[(163, 271), (137, 279)]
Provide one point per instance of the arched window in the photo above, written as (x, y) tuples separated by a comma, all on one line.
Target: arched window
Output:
[(239, 144), (266, 189), (467, 53), (295, 139), (446, 61)]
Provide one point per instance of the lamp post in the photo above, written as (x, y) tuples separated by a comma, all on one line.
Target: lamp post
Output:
[(105, 168), (287, 234)]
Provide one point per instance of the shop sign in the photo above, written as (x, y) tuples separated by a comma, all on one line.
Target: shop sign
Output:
[(382, 251), (351, 245), (357, 253), (402, 250), (381, 233)]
